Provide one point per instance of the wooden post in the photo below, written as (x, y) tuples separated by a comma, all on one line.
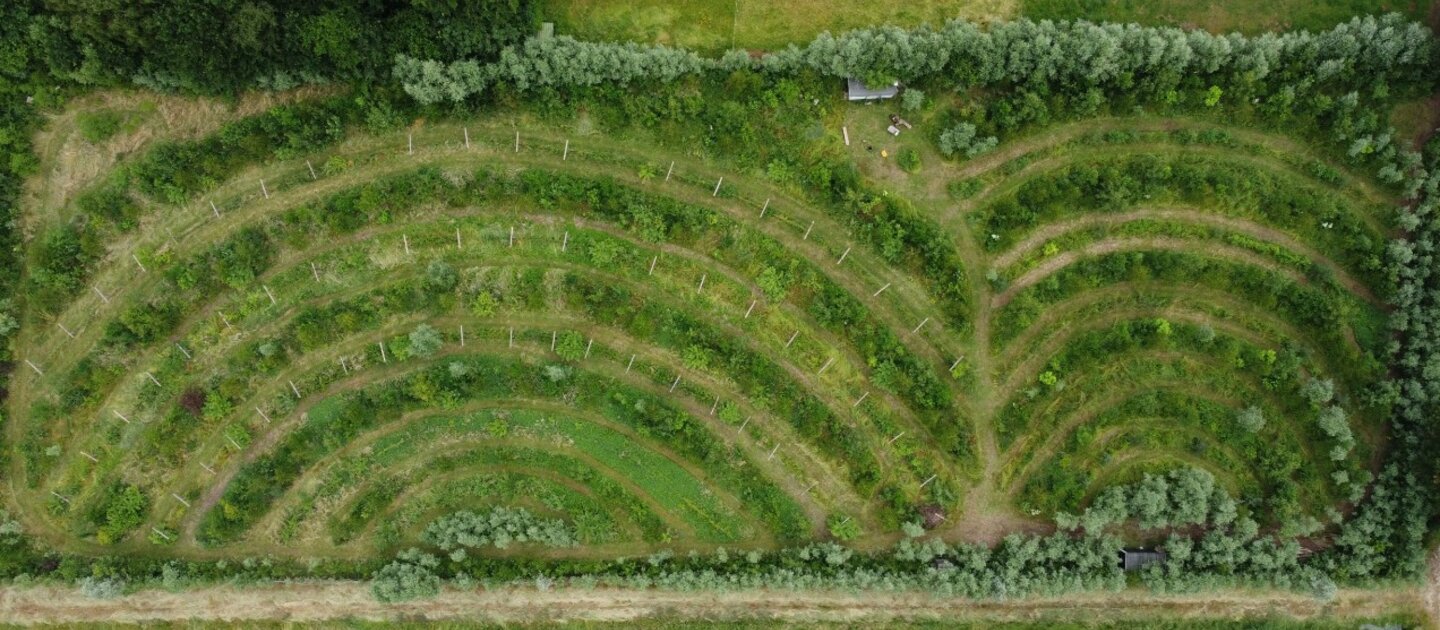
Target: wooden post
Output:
[(752, 307), (882, 290), (405, 238), (208, 469), (467, 136), (807, 231), (630, 364), (458, 243), (234, 443), (672, 170), (742, 424), (312, 170), (512, 236), (792, 338), (139, 264), (587, 348), (920, 325), (60, 496), (152, 379), (566, 155), (183, 350), (344, 366), (828, 362), (382, 352), (295, 389), (553, 334), (121, 416), (214, 209), (89, 457), (267, 292), (517, 141), (225, 319), (162, 534), (462, 335), (103, 297), (180, 499), (565, 242), (512, 337), (263, 414), (65, 330), (263, 190), (34, 367), (716, 192), (314, 272), (702, 283), (842, 256), (862, 399), (652, 265), (846, 131), (677, 382), (715, 406), (764, 207), (927, 481), (411, 143), (772, 452)]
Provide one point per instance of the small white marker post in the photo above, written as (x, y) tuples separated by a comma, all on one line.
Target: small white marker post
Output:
[(716, 192), (652, 265), (553, 334), (462, 336), (920, 325), (811, 486), (410, 143), (565, 242), (587, 348), (897, 436), (566, 154), (180, 499), (630, 364), (466, 130), (314, 272), (121, 416), (382, 352), (312, 170), (34, 367), (60, 496), (225, 319), (208, 468), (65, 330), (862, 399), (152, 379), (160, 533), (517, 142), (138, 263), (742, 424), (927, 481), (405, 238), (752, 307), (671, 170), (957, 362), (458, 243), (846, 131), (792, 338), (842, 256), (701, 288), (512, 337), (263, 414), (214, 209), (234, 443), (772, 452), (103, 297), (183, 350), (882, 289), (295, 389), (344, 366), (263, 190), (677, 382), (512, 236), (715, 406), (764, 207), (268, 293), (89, 457), (807, 231), (827, 365)]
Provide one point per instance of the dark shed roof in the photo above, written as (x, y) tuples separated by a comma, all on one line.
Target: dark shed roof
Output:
[(1136, 559), (856, 90)]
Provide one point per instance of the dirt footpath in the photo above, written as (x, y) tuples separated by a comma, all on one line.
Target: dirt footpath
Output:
[(337, 600)]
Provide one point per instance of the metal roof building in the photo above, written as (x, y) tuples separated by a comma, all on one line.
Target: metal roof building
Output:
[(1136, 559), (856, 90)]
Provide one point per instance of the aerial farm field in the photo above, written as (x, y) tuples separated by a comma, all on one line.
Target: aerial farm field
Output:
[(577, 329)]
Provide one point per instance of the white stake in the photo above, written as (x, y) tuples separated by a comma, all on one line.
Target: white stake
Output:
[(672, 170), (630, 364), (826, 366), (587, 348), (121, 416), (405, 238), (717, 187), (152, 379), (183, 350), (957, 362), (752, 307), (652, 265), (314, 271), (927, 481), (772, 452), (811, 486), (214, 209), (842, 256), (846, 131), (882, 290), (234, 443), (565, 242), (792, 338), (89, 457), (263, 414), (553, 334), (702, 283), (862, 399), (410, 143), (512, 236), (263, 190), (764, 207), (60, 496), (225, 319), (517, 142), (467, 136), (295, 389), (462, 336), (34, 367), (897, 436), (566, 155), (65, 330), (138, 263), (382, 352), (267, 292), (312, 170), (714, 406), (208, 469), (742, 424), (920, 325), (180, 499), (458, 244), (677, 382), (344, 366), (103, 297), (512, 337), (807, 231), (162, 534)]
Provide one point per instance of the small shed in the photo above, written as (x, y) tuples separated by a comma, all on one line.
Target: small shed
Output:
[(857, 91), (1136, 559)]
